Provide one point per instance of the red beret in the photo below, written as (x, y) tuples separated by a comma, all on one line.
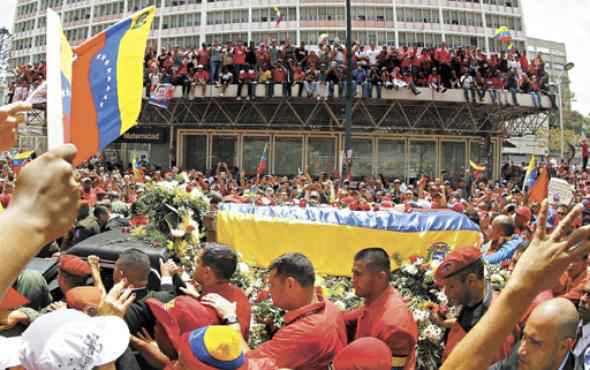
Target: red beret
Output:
[(365, 353), (524, 212), (181, 315), (12, 299), (458, 207), (74, 265), (456, 261), (81, 297)]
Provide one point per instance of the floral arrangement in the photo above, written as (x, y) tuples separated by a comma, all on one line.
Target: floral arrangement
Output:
[(175, 214)]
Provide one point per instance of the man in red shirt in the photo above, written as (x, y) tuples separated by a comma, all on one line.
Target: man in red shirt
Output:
[(200, 78), (314, 329), (384, 314), (215, 266), (87, 193)]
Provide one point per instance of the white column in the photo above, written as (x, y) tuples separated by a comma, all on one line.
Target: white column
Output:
[(396, 23)]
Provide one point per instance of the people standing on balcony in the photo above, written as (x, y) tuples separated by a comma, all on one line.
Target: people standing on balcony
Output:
[(239, 58), (265, 78), (301, 56), (435, 82), (242, 81), (204, 57), (298, 77), (496, 87), (181, 77), (480, 85), (468, 86), (262, 56), (536, 92), (443, 56), (374, 80), (332, 79), (252, 82), (274, 51), (279, 76), (216, 59), (251, 56), (312, 83), (359, 76), (512, 86)]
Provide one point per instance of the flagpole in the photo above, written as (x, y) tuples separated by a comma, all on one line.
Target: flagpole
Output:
[(348, 106)]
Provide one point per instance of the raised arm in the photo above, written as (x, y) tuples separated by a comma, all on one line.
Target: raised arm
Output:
[(43, 208), (537, 269)]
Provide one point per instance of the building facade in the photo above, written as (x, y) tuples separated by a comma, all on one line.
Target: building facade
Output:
[(189, 23)]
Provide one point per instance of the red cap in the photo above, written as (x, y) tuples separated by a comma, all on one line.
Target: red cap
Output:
[(182, 315), (80, 298), (100, 191), (365, 353), (456, 261), (74, 265), (524, 212), (458, 207), (12, 299)]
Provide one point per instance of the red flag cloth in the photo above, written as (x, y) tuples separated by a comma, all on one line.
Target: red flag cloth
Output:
[(262, 164), (540, 189)]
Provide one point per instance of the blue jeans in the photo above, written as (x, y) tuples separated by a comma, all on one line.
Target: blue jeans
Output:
[(536, 99), (366, 89), (214, 71), (513, 93)]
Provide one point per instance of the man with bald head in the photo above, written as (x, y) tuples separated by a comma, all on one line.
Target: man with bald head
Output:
[(503, 241), (548, 339)]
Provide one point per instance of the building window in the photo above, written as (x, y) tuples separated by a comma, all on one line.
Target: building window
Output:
[(224, 149), (288, 156), (136, 5), (321, 155), (453, 165), (181, 20), (392, 158), (362, 152), (422, 159), (252, 151), (227, 16), (418, 15), (195, 152)]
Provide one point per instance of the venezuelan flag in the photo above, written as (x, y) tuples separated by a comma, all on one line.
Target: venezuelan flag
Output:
[(107, 77), (531, 174), (540, 189), (331, 237), (59, 82)]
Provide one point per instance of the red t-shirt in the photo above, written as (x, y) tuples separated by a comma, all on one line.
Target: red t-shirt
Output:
[(201, 75), (239, 56), (309, 339), (203, 56), (389, 319), (443, 55), (278, 75)]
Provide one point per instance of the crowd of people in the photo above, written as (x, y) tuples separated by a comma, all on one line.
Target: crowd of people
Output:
[(320, 71), (538, 321)]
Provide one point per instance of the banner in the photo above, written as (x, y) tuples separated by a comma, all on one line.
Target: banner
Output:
[(561, 190), (331, 237), (161, 95)]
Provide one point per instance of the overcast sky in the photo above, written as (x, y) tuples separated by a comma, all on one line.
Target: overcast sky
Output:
[(563, 20)]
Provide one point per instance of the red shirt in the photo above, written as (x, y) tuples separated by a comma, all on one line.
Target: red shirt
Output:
[(201, 75), (278, 75), (443, 55), (309, 339), (89, 196), (203, 56), (388, 318), (584, 149), (239, 56), (234, 294)]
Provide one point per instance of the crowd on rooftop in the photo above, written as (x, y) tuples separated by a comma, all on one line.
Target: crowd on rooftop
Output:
[(320, 71)]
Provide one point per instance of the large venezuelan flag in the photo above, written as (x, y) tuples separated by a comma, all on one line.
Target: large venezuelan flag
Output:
[(331, 237), (107, 79)]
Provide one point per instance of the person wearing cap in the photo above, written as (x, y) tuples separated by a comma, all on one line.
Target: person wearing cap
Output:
[(363, 354), (461, 275), (314, 330), (215, 347), (85, 299), (13, 318), (179, 316), (73, 271), (199, 79), (87, 192), (384, 314), (503, 241), (214, 267)]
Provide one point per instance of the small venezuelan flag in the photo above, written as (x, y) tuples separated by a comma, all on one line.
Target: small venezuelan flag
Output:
[(107, 83)]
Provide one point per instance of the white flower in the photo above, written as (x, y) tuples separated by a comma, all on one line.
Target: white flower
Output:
[(442, 298), (177, 233), (421, 315), (410, 269), (243, 268), (341, 306), (433, 333)]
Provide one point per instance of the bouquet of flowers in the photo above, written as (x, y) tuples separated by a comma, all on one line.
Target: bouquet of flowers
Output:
[(175, 214)]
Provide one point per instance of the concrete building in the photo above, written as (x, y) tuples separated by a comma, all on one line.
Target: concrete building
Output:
[(188, 23), (555, 57)]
